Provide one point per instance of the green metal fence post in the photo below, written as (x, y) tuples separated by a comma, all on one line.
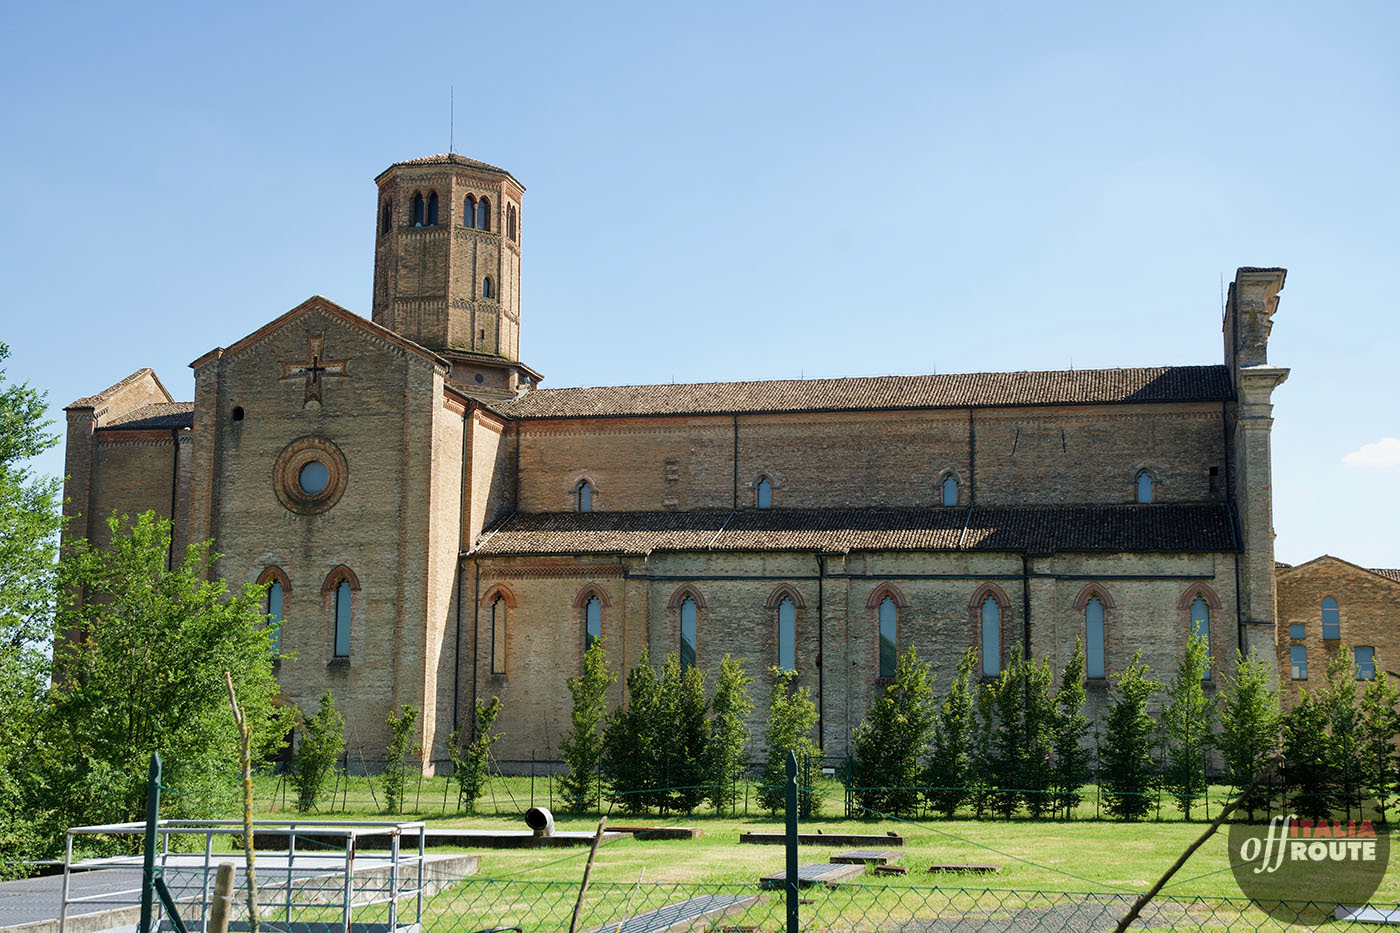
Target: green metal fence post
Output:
[(791, 875), (148, 862)]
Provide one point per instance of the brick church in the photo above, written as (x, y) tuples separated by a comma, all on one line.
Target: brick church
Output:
[(436, 528)]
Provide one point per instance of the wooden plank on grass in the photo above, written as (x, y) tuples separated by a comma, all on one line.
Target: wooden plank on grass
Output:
[(815, 873), (680, 915), (965, 869), (867, 857), (824, 839)]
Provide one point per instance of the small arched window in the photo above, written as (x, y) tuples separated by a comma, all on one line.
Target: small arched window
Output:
[(991, 637), (237, 413), (583, 496), (764, 494), (469, 212), (483, 214), (592, 622), (950, 490), (690, 613), (510, 221), (1144, 487), (486, 288), (787, 634), (888, 645), (1201, 626), (342, 619), (498, 635), (386, 216), (432, 210), (417, 209), (1093, 639), (275, 596), (1331, 619)]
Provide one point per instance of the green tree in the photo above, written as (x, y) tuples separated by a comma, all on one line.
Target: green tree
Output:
[(893, 739), (1071, 756), (583, 746), (726, 753), (983, 771), (322, 741), (791, 716), (1127, 772), (1308, 760), (1038, 772), (1379, 723), (1340, 699), (952, 766), (401, 745), (680, 730), (471, 760), (1187, 721), (1249, 725), (1009, 746), (630, 752), (29, 524), (148, 676)]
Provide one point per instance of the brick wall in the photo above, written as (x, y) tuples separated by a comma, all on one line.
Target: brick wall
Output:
[(1369, 610)]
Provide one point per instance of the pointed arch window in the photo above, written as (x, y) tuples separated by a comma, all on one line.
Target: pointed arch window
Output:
[(991, 637), (469, 211), (950, 490), (432, 210), (787, 634), (486, 288), (1331, 619), (510, 222), (592, 622), (889, 652), (342, 619), (417, 209), (764, 493), (275, 600), (483, 214), (690, 613), (1144, 487), (498, 635), (583, 496), (1093, 639), (386, 216), (1200, 625)]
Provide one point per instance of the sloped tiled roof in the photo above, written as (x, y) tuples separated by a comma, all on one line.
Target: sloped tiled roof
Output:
[(995, 528), (452, 158), (1060, 387), (1388, 573), (161, 416), (92, 401)]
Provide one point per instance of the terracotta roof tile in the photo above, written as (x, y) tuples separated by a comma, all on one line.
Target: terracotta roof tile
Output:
[(1389, 574), (1062, 387), (159, 416), (1032, 528), (92, 401)]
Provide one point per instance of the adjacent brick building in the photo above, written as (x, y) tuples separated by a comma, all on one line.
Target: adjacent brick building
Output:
[(434, 528), (1329, 606)]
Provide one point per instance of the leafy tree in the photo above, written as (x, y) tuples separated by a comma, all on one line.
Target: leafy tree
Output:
[(791, 716), (1071, 756), (983, 771), (1379, 723), (471, 760), (583, 746), (952, 767), (630, 751), (322, 741), (1008, 750), (1187, 720), (1038, 772), (148, 676), (1340, 701), (401, 745), (1249, 724), (1308, 759), (891, 742), (29, 524), (729, 732), (1127, 771), (680, 730)]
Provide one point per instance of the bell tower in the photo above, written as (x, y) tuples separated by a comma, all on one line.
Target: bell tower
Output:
[(447, 267)]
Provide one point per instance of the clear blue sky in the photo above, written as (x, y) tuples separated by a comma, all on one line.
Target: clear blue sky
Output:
[(738, 190)]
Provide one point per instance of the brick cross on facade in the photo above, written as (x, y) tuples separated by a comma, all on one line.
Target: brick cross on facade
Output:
[(315, 367)]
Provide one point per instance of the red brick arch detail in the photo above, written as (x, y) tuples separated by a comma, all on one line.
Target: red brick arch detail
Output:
[(679, 596), (341, 572), (272, 573), (592, 589), (499, 591), (775, 598), (979, 596), (883, 590), (1203, 591), (1091, 590)]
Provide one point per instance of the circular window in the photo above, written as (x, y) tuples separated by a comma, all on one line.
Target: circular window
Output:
[(314, 478), (310, 475)]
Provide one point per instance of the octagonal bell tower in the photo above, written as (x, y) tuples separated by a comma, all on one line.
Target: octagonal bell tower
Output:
[(447, 267)]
